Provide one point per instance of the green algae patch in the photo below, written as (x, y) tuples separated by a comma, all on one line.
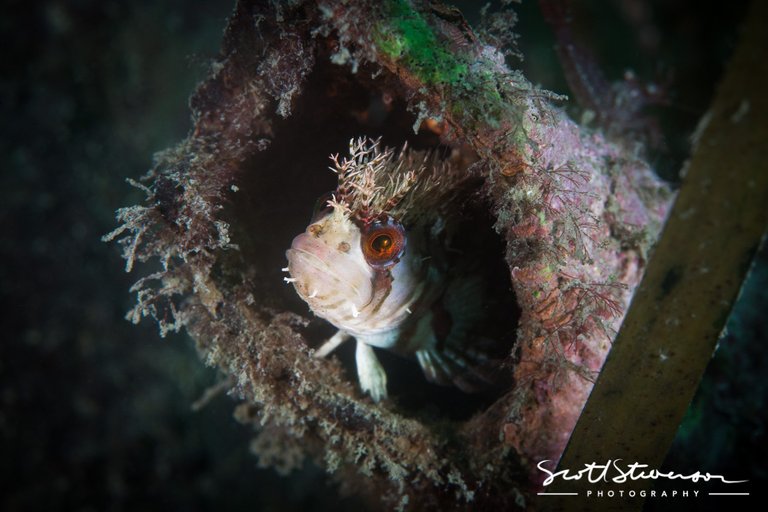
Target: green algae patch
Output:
[(470, 81), (408, 38)]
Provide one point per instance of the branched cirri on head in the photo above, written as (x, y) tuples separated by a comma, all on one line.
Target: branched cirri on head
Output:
[(377, 262)]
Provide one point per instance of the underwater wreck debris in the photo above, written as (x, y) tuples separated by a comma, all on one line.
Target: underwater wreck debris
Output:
[(577, 213), (381, 261), (679, 312)]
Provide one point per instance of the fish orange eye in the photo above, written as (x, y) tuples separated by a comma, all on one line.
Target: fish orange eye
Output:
[(383, 243)]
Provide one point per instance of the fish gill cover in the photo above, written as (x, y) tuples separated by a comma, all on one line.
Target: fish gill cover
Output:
[(568, 216)]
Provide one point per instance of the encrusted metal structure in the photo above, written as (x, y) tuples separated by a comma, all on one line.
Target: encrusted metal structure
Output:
[(575, 213)]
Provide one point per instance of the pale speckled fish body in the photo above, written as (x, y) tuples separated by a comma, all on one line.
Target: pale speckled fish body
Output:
[(373, 263)]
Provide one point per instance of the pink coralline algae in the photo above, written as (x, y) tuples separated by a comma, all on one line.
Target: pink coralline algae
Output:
[(573, 215)]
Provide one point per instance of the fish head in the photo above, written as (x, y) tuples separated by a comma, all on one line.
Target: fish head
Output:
[(355, 275)]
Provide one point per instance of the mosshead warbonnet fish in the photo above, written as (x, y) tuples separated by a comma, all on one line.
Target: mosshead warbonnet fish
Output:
[(378, 262)]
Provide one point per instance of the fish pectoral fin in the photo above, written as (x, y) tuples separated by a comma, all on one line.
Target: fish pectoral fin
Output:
[(373, 378), (434, 368), (467, 371), (332, 344)]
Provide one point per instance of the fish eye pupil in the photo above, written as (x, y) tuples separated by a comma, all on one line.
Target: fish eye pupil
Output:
[(381, 243)]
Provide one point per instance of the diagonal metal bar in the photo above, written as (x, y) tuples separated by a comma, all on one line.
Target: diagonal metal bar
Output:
[(691, 283)]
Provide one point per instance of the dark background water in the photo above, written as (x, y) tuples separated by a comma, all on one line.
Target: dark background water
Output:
[(95, 413)]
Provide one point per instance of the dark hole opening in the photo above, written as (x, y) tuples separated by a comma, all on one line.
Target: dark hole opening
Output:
[(496, 332), (278, 188)]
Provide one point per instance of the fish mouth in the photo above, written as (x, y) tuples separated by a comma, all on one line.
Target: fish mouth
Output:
[(326, 278)]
